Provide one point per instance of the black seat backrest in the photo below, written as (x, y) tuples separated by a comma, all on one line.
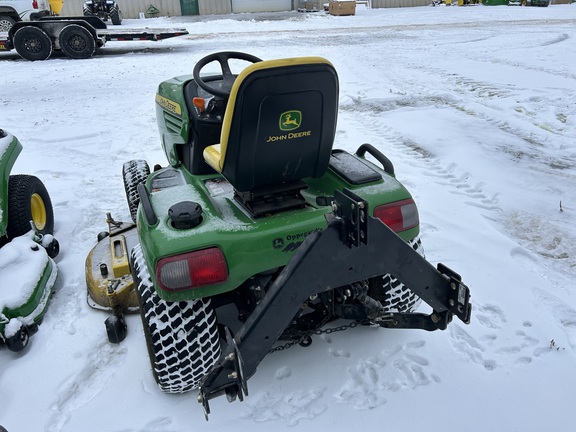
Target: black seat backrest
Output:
[(279, 124)]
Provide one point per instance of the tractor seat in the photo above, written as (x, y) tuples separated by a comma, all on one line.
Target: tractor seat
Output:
[(278, 129)]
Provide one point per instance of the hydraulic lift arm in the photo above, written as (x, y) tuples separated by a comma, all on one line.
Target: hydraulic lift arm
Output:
[(352, 248)]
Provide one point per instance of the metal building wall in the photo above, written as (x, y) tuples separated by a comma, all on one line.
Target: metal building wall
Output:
[(132, 8), (210, 7), (239, 6), (399, 3), (129, 8)]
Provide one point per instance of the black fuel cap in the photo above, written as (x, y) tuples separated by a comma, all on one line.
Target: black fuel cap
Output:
[(185, 214)]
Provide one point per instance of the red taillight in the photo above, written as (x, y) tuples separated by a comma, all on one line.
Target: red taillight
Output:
[(35, 4), (399, 216), (192, 270)]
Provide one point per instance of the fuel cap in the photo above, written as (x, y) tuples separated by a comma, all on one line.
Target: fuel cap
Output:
[(185, 215)]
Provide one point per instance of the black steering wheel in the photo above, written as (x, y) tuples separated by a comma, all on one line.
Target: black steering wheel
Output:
[(227, 76)]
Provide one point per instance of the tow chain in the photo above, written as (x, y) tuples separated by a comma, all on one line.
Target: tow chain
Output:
[(306, 338)]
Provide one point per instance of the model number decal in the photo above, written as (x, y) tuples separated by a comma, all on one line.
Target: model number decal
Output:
[(168, 105)]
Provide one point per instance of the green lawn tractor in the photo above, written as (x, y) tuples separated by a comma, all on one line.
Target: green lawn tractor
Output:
[(27, 248), (258, 233)]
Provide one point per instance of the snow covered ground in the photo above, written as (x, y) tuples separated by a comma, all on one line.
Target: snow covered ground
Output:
[(476, 107)]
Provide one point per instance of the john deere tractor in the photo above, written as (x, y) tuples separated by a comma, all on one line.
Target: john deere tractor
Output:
[(27, 248), (259, 233), (103, 9)]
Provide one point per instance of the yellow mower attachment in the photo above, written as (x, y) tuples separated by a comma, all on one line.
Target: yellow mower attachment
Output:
[(108, 277)]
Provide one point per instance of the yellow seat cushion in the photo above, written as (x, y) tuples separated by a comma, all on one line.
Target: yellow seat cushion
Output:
[(213, 157)]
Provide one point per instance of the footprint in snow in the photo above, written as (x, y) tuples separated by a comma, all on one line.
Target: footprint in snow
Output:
[(100, 364), (372, 379), (283, 372), (290, 408), (339, 353), (491, 316), (488, 349)]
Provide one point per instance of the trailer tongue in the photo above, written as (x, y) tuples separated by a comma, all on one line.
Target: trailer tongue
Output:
[(77, 37)]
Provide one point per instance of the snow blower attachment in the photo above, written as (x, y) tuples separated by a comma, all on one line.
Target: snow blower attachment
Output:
[(259, 231)]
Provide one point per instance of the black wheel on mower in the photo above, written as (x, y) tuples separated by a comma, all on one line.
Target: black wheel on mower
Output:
[(28, 200), (134, 172), (77, 42), (182, 337), (19, 340), (116, 328), (393, 294), (32, 43), (52, 248)]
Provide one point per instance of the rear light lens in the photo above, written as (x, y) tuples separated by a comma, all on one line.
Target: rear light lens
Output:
[(399, 216), (192, 270), (35, 4)]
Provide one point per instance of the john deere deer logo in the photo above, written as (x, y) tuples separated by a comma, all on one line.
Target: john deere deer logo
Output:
[(290, 120)]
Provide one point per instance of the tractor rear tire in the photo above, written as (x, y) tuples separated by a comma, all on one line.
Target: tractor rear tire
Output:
[(116, 15), (182, 337), (134, 172), (393, 294), (77, 42), (32, 43), (28, 200)]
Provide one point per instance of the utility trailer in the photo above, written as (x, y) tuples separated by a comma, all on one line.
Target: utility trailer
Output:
[(77, 37)]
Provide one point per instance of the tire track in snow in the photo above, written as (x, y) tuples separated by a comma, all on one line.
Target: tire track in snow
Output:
[(426, 162), (493, 347)]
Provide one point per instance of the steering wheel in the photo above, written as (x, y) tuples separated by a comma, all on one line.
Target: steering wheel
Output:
[(227, 76)]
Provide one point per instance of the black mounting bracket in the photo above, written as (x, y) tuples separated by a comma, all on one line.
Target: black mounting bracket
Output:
[(341, 255)]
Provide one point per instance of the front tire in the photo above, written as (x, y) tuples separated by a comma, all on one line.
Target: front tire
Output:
[(182, 337), (28, 200), (134, 172)]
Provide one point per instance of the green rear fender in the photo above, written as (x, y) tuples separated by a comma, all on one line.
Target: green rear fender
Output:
[(250, 246), (10, 148)]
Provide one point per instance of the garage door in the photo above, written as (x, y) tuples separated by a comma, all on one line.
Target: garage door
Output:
[(261, 5)]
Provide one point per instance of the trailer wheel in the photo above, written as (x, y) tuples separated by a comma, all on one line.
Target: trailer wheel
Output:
[(182, 337), (6, 23), (134, 172), (76, 42), (28, 200), (393, 294), (116, 15), (32, 43)]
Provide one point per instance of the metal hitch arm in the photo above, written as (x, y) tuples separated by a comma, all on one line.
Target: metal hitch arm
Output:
[(353, 247)]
